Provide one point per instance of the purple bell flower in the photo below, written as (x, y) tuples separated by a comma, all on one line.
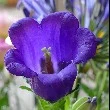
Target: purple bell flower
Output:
[(47, 53)]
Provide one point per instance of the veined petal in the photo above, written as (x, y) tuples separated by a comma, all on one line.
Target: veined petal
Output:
[(52, 87), (90, 5), (60, 29), (86, 44), (35, 8), (16, 66), (51, 3), (106, 12), (103, 2), (25, 36)]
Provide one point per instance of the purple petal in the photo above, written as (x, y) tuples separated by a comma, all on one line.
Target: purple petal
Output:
[(38, 10), (103, 2), (71, 1), (51, 3), (88, 11), (86, 44), (59, 30), (90, 5), (28, 5), (78, 9), (52, 87), (25, 36), (106, 12), (16, 66)]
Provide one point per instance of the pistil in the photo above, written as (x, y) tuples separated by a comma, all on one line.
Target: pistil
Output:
[(48, 63)]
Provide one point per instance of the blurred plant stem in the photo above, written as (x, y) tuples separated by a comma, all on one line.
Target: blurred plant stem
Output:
[(102, 85), (76, 93), (78, 81), (100, 79)]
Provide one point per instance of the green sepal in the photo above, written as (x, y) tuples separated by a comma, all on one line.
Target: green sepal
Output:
[(25, 88), (45, 105)]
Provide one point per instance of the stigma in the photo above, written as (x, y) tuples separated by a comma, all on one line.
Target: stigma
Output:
[(47, 53), (48, 65)]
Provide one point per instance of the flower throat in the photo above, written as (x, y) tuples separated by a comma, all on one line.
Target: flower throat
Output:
[(47, 63)]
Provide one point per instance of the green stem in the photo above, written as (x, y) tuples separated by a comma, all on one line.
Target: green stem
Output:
[(78, 81), (93, 66), (98, 76), (38, 104), (76, 93), (101, 89)]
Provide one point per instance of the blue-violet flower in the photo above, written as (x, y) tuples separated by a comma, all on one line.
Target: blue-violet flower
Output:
[(47, 53)]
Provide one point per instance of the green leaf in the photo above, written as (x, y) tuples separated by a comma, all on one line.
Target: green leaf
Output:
[(1, 67), (79, 102), (68, 103), (26, 88), (84, 106), (85, 103), (4, 101), (92, 25), (3, 2), (45, 105), (87, 90), (103, 83), (82, 21)]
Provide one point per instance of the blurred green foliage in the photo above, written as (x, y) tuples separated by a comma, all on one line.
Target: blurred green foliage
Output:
[(99, 76)]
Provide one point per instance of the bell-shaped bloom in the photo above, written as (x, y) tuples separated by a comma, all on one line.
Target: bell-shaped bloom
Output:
[(47, 53)]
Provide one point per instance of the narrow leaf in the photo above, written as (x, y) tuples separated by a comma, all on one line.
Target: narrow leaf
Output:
[(26, 88)]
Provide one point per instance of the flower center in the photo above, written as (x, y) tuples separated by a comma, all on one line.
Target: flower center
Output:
[(48, 65)]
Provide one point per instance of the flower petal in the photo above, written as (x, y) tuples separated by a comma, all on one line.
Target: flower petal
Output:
[(86, 44), (36, 9), (52, 87), (16, 66), (106, 12), (25, 36), (60, 29), (90, 5)]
